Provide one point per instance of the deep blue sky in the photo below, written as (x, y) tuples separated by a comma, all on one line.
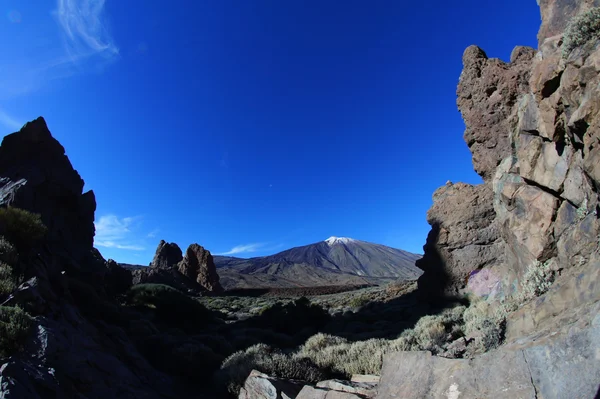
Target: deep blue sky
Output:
[(255, 124)]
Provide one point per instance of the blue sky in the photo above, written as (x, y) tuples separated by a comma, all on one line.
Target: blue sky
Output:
[(253, 126)]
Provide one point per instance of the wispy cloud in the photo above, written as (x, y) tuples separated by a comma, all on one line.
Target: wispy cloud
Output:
[(245, 248), (119, 233), (153, 233), (75, 38), (85, 29), (8, 121)]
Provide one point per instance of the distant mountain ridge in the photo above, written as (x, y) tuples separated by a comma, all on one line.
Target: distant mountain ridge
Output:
[(334, 261)]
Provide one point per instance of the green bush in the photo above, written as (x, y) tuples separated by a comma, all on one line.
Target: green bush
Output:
[(15, 325), (358, 301), (8, 282), (171, 306), (236, 368), (580, 30), (22, 228)]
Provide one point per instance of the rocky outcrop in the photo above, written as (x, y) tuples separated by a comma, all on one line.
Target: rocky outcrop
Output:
[(167, 255), (195, 273), (532, 126), (69, 352), (198, 265), (36, 175), (550, 352), (487, 92)]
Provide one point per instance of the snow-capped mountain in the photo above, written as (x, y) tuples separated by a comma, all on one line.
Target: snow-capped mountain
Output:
[(336, 260)]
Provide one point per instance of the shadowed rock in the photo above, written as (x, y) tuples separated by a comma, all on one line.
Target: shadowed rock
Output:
[(167, 255), (198, 265)]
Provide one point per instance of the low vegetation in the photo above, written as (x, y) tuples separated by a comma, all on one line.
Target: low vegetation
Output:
[(8, 282), (15, 326), (537, 280), (580, 30), (235, 368), (22, 228)]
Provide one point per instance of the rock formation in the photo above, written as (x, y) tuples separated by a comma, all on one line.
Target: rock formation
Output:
[(167, 255), (532, 127), (67, 354), (36, 175), (198, 265), (464, 237)]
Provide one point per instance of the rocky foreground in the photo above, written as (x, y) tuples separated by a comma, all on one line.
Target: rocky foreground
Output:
[(522, 248)]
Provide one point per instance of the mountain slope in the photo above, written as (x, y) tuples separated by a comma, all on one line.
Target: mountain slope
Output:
[(337, 260)]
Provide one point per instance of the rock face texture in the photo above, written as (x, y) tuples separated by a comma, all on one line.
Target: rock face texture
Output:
[(532, 127), (198, 265), (464, 238), (167, 255)]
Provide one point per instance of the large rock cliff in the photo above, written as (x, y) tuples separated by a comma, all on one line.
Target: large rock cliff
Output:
[(533, 128)]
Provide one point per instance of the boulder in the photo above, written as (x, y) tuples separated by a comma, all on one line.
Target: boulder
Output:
[(309, 392), (464, 238), (167, 256), (198, 265), (261, 386)]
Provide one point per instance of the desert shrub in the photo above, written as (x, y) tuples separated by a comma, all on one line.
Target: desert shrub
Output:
[(15, 326), (580, 30), (236, 368), (358, 301), (487, 321), (338, 355), (170, 305), (22, 228), (8, 282), (536, 281), (8, 253)]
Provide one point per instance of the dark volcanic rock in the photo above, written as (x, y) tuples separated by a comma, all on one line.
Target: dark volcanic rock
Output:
[(36, 175), (117, 279), (198, 265), (167, 255), (77, 347)]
